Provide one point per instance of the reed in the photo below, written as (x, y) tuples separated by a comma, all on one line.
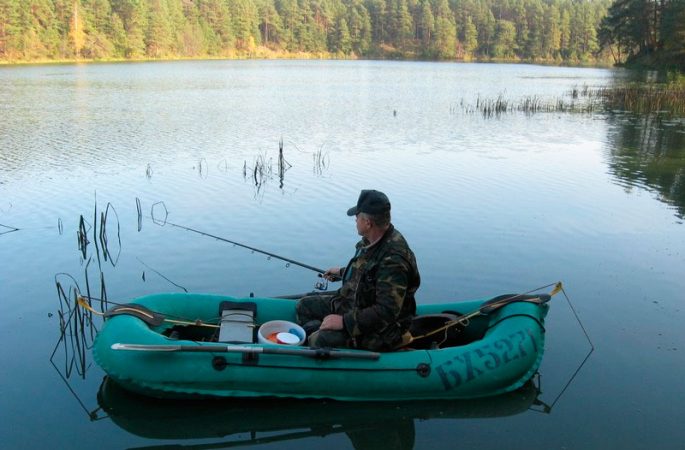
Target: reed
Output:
[(643, 98), (260, 172), (492, 107), (139, 209), (202, 169), (103, 237), (321, 161), (82, 236), (581, 101), (283, 165), (76, 330)]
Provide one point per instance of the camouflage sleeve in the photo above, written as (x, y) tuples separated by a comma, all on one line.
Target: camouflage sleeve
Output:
[(391, 286)]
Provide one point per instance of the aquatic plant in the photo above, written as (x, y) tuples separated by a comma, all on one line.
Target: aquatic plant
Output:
[(495, 108), (644, 98)]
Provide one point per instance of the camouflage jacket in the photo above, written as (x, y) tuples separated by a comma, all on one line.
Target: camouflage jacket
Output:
[(378, 292)]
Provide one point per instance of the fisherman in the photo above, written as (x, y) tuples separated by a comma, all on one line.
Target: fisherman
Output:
[(375, 305)]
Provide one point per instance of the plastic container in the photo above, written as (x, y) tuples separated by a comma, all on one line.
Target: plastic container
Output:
[(290, 333)]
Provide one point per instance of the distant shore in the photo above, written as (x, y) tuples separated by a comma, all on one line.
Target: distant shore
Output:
[(267, 54)]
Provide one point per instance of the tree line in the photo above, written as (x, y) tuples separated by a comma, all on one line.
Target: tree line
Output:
[(559, 31), (648, 32)]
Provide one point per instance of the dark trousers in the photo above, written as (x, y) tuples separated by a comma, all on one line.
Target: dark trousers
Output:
[(312, 309)]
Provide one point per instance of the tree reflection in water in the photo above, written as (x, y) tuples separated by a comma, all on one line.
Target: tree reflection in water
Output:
[(648, 151)]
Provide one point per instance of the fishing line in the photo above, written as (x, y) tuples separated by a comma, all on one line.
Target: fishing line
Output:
[(577, 371), (587, 336), (160, 274)]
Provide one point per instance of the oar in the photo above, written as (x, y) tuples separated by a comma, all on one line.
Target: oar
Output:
[(148, 316), (499, 302), (316, 353), (493, 305), (503, 300)]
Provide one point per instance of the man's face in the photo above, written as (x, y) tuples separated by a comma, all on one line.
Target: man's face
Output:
[(363, 224)]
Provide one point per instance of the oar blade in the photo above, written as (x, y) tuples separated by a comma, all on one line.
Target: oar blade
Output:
[(503, 300), (146, 315)]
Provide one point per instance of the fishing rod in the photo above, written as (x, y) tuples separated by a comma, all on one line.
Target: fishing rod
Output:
[(321, 272)]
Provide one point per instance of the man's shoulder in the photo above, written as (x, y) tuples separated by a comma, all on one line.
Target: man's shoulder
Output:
[(397, 239), (396, 248)]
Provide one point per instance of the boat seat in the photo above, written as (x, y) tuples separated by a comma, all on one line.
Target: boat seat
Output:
[(237, 322)]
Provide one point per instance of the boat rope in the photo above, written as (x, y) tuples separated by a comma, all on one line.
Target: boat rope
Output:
[(575, 314), (488, 307), (577, 371)]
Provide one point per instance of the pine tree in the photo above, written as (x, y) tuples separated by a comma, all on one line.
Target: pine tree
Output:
[(10, 29), (134, 17), (470, 36), (505, 40), (158, 35), (359, 24), (341, 40), (245, 24), (76, 33), (269, 22), (426, 24), (445, 43), (551, 41), (673, 32)]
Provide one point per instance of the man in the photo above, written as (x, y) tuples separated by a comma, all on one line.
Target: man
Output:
[(375, 305)]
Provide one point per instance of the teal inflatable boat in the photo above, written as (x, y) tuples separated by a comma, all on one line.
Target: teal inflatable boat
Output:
[(181, 345)]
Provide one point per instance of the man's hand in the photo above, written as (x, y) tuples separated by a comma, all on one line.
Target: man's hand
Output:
[(333, 274), (332, 322)]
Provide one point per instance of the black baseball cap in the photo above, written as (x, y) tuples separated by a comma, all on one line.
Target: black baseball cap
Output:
[(370, 202)]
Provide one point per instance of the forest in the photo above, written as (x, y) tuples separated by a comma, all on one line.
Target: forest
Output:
[(550, 31)]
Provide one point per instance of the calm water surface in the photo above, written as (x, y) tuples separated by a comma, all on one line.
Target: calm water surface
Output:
[(489, 205)]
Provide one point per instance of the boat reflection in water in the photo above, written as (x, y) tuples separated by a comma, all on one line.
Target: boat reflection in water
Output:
[(367, 424)]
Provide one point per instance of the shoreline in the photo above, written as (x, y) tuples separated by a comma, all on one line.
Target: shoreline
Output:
[(301, 57)]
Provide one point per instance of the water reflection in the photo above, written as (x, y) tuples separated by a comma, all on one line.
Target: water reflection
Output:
[(647, 151), (77, 329), (4, 229), (367, 425)]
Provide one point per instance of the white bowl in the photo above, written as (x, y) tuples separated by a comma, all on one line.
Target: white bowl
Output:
[(283, 327)]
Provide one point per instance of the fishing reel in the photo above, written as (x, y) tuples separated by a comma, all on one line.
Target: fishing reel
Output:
[(321, 284)]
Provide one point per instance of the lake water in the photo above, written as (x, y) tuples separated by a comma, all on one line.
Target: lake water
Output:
[(490, 205)]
